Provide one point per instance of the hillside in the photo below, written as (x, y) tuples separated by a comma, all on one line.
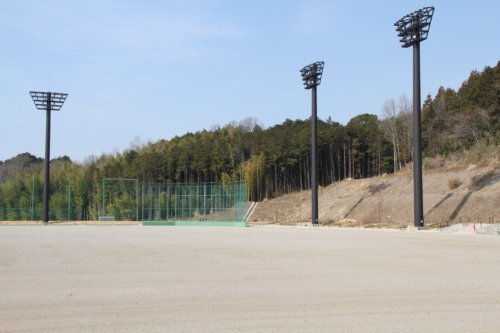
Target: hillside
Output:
[(275, 161), (450, 196)]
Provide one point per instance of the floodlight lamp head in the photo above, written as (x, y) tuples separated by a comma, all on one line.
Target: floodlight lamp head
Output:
[(311, 74), (414, 28), (48, 100)]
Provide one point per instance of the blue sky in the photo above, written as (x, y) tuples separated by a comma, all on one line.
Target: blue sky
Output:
[(155, 69)]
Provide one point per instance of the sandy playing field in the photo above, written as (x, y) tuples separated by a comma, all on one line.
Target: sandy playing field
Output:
[(258, 279)]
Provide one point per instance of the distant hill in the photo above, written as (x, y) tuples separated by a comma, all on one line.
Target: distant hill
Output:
[(26, 164), (19, 165)]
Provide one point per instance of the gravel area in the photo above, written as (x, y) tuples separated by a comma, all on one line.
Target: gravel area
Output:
[(258, 279)]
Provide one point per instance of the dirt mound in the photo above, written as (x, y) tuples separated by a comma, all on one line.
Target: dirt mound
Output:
[(468, 194)]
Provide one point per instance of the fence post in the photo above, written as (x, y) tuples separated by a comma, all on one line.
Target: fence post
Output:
[(226, 195), (198, 214), (142, 213), (158, 203), (69, 199), (149, 202), (32, 197), (168, 195), (103, 197), (137, 200)]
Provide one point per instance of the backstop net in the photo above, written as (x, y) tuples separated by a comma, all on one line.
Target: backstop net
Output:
[(205, 202)]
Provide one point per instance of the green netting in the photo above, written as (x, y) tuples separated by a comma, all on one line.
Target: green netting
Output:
[(217, 202), (21, 199), (120, 199)]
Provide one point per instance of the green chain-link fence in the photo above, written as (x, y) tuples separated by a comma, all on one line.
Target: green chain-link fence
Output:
[(21, 199), (120, 199)]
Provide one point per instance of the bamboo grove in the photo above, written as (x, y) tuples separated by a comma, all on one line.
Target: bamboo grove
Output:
[(271, 161)]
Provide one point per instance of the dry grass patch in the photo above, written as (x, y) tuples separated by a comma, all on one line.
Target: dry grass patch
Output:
[(366, 185), (479, 155), (453, 182), (434, 162)]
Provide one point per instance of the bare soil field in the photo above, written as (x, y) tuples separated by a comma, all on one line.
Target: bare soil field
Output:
[(77, 278)]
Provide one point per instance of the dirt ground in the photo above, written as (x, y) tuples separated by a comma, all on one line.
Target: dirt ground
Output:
[(63, 278)]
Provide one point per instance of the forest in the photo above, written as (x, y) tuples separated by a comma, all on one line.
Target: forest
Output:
[(276, 160)]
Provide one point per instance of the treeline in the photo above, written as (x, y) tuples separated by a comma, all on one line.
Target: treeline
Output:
[(27, 164), (276, 160), (452, 121), (271, 161), (456, 120)]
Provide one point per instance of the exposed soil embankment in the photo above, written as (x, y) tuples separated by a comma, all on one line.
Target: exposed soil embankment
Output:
[(469, 194)]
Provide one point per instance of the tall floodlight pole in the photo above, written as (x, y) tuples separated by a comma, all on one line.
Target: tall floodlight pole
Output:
[(311, 75), (50, 102), (414, 28)]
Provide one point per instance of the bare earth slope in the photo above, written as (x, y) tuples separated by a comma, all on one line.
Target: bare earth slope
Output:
[(388, 200)]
